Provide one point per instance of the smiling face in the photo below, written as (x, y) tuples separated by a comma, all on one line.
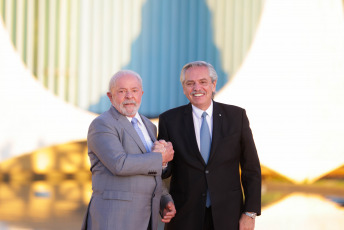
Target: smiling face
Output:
[(198, 87), (126, 94)]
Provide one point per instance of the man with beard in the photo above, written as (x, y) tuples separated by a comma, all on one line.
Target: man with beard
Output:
[(215, 161), (126, 163)]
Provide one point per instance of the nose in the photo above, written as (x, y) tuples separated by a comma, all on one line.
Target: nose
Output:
[(196, 86), (128, 94)]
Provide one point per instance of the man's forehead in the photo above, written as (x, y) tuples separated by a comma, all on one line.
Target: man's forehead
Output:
[(127, 77), (129, 87), (128, 81), (197, 70), (197, 78)]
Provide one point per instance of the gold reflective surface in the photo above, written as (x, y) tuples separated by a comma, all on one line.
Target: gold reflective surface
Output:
[(44, 205), (51, 187)]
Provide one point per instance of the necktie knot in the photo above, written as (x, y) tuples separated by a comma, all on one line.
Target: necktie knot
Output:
[(204, 115), (134, 121)]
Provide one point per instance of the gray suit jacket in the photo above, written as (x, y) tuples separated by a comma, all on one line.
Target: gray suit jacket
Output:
[(126, 181)]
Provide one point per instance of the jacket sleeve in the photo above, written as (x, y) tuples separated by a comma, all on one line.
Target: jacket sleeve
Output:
[(250, 169), (163, 135), (105, 145), (165, 198)]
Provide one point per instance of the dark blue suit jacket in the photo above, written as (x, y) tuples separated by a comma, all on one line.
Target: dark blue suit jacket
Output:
[(233, 168)]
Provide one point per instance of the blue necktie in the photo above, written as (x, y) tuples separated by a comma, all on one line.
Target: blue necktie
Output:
[(205, 139), (139, 132), (205, 143)]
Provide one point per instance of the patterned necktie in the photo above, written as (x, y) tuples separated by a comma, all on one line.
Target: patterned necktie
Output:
[(205, 143), (139, 132), (205, 139)]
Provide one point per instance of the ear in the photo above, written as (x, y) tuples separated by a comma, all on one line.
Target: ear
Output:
[(184, 90), (109, 96), (214, 85)]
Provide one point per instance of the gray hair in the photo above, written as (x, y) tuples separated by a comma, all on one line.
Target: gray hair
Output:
[(211, 70), (121, 73)]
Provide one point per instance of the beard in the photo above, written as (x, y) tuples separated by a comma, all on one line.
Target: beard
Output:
[(132, 111)]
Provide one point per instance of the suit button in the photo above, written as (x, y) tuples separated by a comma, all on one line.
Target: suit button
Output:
[(206, 171), (203, 194)]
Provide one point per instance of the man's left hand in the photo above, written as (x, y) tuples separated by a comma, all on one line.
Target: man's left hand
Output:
[(246, 222), (169, 212)]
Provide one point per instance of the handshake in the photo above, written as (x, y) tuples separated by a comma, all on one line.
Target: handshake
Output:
[(166, 150)]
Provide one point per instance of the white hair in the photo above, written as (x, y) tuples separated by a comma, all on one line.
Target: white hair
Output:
[(120, 73), (211, 70)]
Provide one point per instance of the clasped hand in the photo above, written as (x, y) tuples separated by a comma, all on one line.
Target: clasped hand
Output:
[(165, 148)]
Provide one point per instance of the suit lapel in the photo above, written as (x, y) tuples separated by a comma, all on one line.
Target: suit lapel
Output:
[(217, 129), (190, 132), (149, 127), (128, 127)]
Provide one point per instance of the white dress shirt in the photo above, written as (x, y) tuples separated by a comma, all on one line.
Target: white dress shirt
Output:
[(197, 120)]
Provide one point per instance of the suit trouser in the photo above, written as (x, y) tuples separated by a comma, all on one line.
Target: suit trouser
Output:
[(150, 224), (208, 220)]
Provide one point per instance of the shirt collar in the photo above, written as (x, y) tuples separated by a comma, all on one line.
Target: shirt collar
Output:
[(198, 112), (138, 117)]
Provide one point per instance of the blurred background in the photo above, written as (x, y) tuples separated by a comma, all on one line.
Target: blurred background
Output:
[(280, 60)]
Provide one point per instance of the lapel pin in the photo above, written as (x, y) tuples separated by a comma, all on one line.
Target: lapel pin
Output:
[(220, 114)]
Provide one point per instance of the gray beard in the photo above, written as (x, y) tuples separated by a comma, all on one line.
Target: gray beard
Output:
[(123, 111)]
